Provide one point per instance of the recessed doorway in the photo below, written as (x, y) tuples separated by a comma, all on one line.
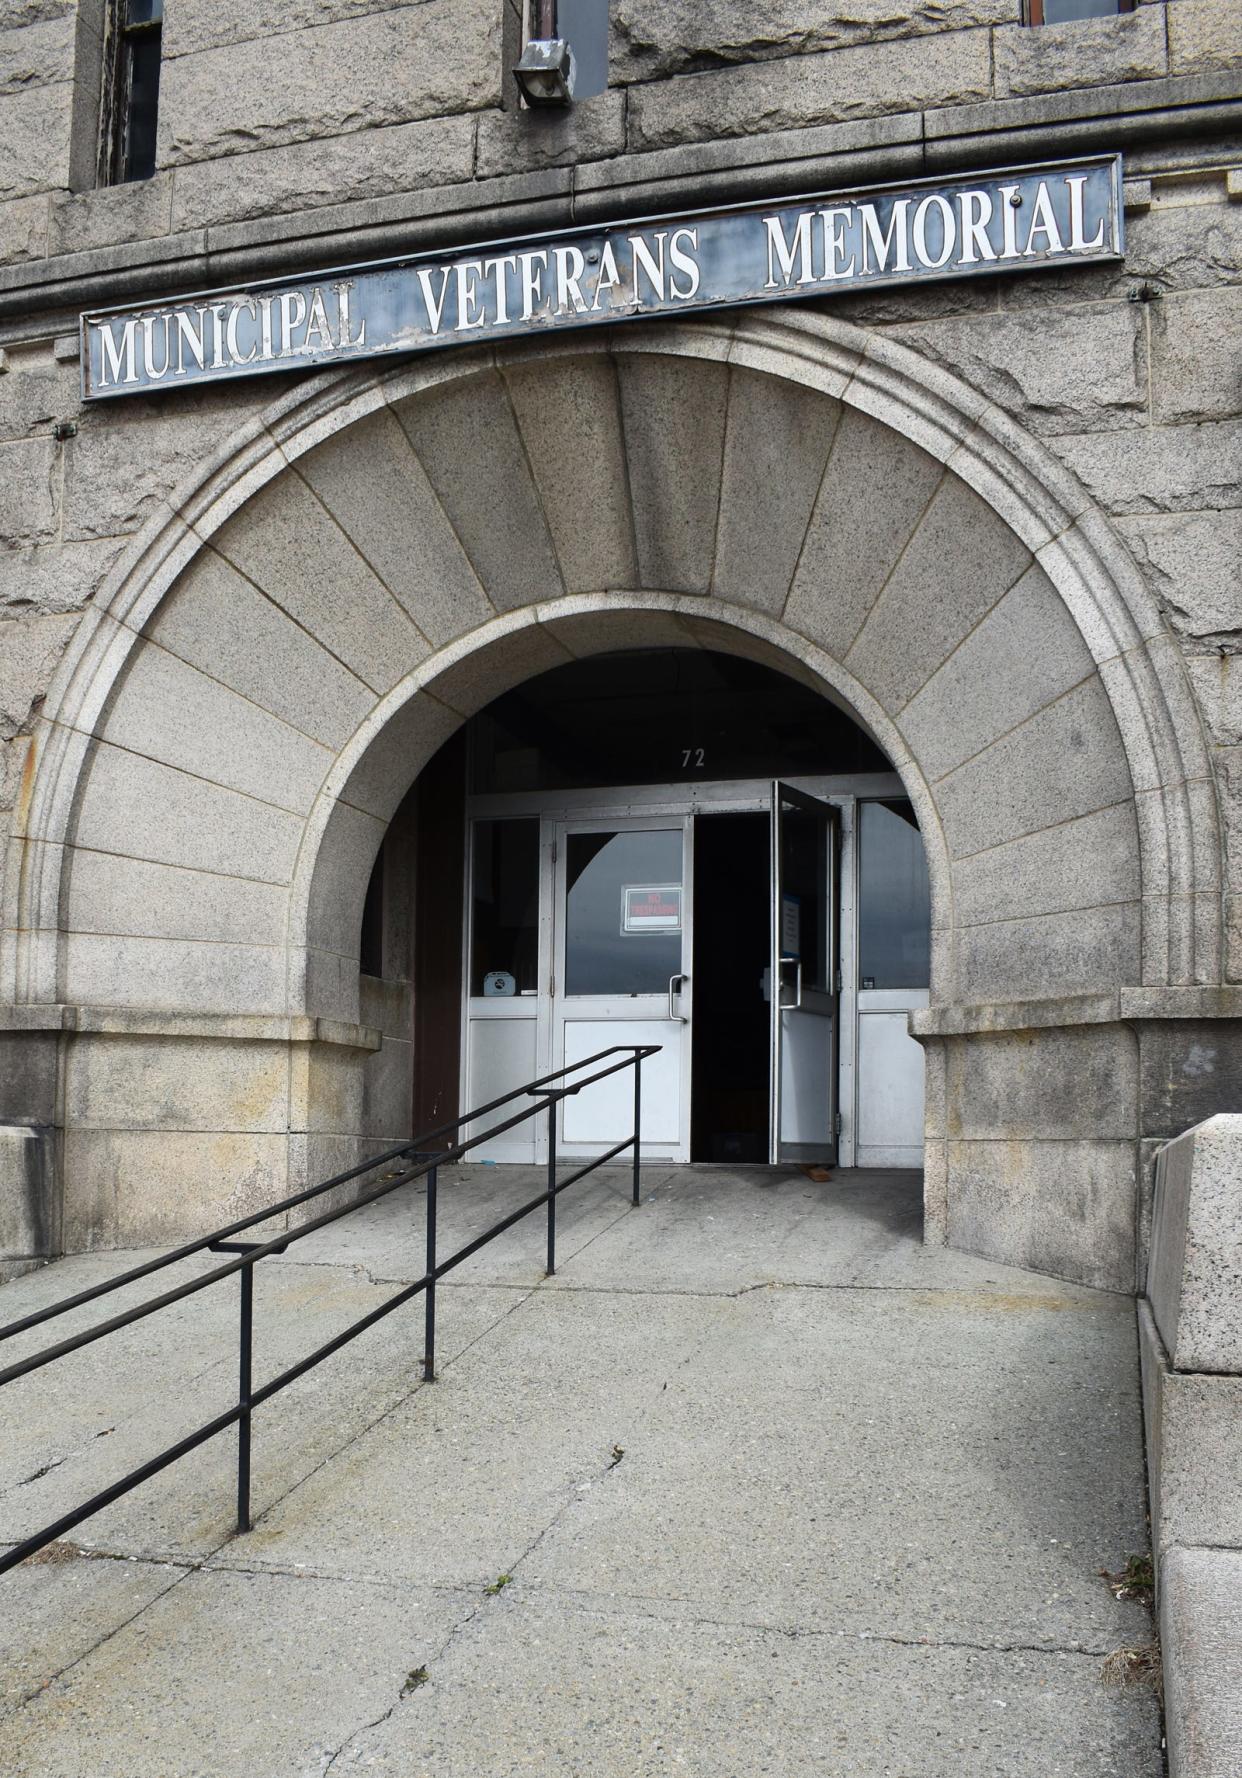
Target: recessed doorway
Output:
[(768, 929)]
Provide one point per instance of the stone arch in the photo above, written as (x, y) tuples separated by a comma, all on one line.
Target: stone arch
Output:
[(368, 780), (383, 550), (724, 472)]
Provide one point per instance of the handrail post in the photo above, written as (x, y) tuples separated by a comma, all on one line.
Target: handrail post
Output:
[(429, 1342), (638, 1120), (551, 1269), (244, 1385)]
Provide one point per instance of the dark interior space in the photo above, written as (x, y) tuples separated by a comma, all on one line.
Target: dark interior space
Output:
[(439, 890), (729, 1062), (661, 716)]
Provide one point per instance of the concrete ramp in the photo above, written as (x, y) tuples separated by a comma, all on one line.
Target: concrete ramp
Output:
[(757, 1484)]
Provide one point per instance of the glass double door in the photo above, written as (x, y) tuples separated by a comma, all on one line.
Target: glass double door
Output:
[(582, 938)]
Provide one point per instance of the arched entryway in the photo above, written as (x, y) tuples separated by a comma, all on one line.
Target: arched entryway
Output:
[(383, 554), (633, 847)]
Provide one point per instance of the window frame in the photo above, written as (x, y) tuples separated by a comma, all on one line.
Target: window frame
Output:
[(116, 108), (1035, 12)]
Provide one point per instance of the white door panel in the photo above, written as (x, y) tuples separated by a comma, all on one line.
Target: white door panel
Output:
[(802, 977), (603, 1114), (806, 1066)]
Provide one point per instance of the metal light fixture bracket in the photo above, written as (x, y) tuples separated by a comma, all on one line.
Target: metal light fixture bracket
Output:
[(545, 72)]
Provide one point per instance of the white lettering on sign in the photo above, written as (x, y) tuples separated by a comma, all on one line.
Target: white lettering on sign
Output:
[(1018, 221)]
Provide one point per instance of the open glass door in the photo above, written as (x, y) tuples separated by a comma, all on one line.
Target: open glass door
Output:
[(805, 849), (623, 900)]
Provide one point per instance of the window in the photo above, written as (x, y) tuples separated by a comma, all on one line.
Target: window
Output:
[(894, 898), (504, 938), (1064, 12), (129, 99), (585, 24)]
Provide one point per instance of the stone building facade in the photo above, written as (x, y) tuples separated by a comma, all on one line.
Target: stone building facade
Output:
[(996, 519)]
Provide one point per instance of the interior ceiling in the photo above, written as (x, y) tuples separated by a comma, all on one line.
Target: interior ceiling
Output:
[(633, 718)]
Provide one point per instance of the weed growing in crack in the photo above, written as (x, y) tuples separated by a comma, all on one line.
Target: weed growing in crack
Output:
[(498, 1585), (416, 1677), (1135, 1581), (618, 1452)]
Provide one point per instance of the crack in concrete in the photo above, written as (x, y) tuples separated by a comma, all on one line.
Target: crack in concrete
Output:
[(403, 1696), (101, 1642), (641, 1604), (46, 1470), (183, 1574), (1033, 1299), (372, 1278), (681, 1606), (187, 1565), (459, 1629)]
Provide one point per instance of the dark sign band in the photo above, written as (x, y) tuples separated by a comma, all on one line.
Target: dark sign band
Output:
[(1020, 220)]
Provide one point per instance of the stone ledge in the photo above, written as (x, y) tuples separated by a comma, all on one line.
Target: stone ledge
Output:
[(225, 1027), (1163, 94), (1122, 1006), (1089, 135), (682, 178)]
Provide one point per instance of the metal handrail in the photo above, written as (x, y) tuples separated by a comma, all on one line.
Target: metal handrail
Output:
[(248, 1254), (203, 1242)]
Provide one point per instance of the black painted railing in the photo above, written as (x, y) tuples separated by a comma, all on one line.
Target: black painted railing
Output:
[(421, 1161)]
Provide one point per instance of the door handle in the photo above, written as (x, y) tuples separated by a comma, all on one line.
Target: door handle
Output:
[(794, 1004), (674, 987)]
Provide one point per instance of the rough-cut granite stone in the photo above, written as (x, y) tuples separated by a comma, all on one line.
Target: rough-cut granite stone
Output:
[(331, 79), (950, 68), (1194, 1275), (654, 38)]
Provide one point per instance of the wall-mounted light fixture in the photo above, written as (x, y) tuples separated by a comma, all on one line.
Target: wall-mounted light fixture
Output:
[(545, 70)]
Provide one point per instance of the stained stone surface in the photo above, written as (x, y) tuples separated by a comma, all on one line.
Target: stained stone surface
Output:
[(662, 37), (1194, 1278), (1086, 52), (756, 1484), (1191, 1424), (1201, 1632)]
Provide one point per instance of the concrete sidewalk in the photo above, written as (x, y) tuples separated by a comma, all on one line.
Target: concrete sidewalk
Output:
[(757, 1484)]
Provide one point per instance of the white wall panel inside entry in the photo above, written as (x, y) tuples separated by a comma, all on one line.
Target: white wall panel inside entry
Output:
[(502, 1053), (603, 1114), (890, 1080)]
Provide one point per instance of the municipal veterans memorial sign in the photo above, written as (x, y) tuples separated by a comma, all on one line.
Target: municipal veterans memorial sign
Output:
[(1022, 220)]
